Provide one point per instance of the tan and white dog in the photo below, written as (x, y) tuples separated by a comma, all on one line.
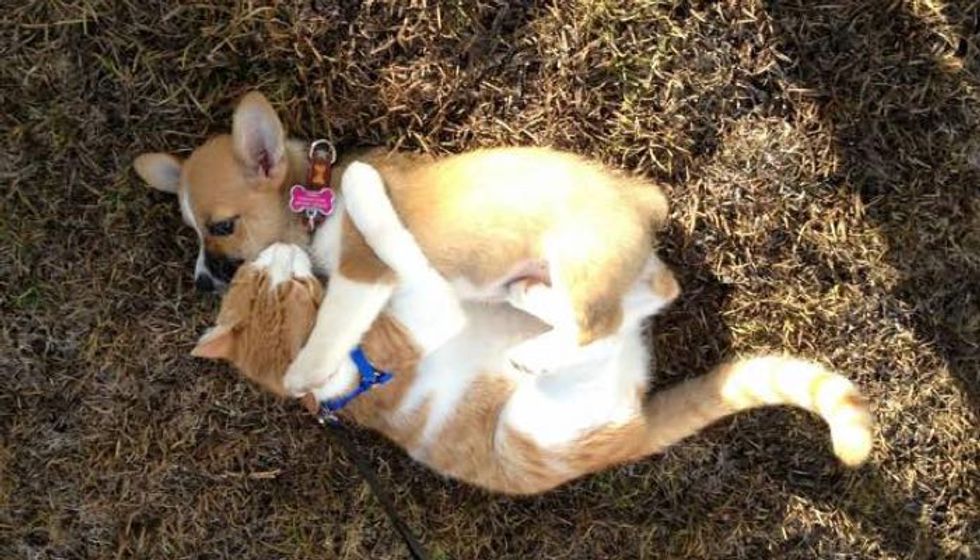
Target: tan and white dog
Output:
[(557, 236)]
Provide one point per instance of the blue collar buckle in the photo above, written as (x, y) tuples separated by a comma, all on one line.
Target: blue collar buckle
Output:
[(370, 377)]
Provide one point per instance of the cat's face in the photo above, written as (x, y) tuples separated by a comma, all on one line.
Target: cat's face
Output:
[(265, 319)]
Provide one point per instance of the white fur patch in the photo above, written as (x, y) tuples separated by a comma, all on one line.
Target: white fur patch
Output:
[(429, 310), (346, 313), (556, 409), (325, 248), (557, 350), (199, 267), (641, 302), (283, 262), (544, 302), (188, 214)]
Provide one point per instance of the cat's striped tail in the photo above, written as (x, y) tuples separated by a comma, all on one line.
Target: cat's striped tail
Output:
[(683, 410)]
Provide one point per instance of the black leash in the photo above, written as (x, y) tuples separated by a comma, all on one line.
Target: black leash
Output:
[(336, 430), (325, 411)]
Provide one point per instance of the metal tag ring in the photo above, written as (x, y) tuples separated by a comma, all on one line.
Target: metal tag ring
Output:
[(329, 146)]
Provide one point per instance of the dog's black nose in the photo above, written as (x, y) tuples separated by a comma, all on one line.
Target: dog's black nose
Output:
[(222, 268), (204, 283)]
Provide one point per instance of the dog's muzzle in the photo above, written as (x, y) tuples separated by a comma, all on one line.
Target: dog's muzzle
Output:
[(217, 273)]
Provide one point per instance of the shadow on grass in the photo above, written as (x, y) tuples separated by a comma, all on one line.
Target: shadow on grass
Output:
[(671, 504), (691, 337), (888, 80), (872, 500)]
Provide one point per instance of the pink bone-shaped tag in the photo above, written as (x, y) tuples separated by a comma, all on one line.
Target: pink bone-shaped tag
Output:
[(303, 200)]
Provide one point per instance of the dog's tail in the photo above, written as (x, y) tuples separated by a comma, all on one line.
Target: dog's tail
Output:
[(683, 410)]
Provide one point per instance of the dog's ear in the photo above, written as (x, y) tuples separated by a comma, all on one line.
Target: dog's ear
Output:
[(160, 171), (258, 137), (215, 344)]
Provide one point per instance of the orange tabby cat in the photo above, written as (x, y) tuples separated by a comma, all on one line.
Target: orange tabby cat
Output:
[(464, 410)]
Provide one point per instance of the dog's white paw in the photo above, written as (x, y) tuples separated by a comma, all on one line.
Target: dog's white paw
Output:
[(283, 262), (360, 174), (364, 193)]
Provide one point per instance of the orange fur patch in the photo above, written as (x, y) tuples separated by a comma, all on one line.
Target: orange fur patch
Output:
[(358, 261), (268, 326)]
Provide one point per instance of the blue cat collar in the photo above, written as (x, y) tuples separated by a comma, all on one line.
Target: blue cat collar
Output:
[(370, 377)]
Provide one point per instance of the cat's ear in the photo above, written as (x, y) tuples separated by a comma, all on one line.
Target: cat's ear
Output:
[(215, 344)]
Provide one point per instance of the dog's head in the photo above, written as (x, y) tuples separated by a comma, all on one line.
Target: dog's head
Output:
[(232, 190)]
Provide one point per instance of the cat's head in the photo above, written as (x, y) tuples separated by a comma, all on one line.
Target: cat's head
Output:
[(266, 316)]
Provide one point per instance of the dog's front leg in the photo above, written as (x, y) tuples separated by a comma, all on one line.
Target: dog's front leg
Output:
[(425, 303), (346, 313)]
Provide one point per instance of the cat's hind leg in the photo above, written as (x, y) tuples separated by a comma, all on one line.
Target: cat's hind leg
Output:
[(654, 289)]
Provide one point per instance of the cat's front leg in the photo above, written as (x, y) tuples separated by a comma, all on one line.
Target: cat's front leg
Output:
[(346, 313)]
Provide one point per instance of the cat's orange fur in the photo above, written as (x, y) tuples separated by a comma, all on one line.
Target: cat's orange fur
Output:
[(261, 327)]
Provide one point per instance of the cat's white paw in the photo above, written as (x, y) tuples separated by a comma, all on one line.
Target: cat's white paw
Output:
[(306, 373)]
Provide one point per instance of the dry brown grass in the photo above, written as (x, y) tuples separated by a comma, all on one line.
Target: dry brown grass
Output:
[(824, 163)]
